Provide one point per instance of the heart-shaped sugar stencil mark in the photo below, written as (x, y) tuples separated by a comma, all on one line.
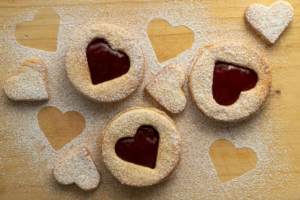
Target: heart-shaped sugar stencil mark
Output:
[(59, 128), (271, 21), (167, 41), (141, 149), (105, 63), (231, 162), (78, 168), (166, 88), (230, 80), (41, 33), (30, 84)]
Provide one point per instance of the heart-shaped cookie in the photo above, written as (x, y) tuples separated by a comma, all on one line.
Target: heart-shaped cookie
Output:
[(78, 168), (167, 41), (59, 128), (230, 80), (41, 33), (231, 162), (30, 84), (140, 149), (166, 88), (271, 21), (105, 63)]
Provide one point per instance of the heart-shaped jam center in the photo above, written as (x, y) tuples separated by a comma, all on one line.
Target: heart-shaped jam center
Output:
[(140, 149), (105, 63), (229, 81)]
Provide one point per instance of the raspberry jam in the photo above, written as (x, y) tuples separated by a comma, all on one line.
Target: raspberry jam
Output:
[(141, 149), (105, 63), (230, 80)]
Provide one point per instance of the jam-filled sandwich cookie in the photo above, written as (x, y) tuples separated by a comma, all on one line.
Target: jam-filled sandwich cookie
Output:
[(105, 63), (30, 84), (229, 81), (78, 168), (141, 146), (166, 88)]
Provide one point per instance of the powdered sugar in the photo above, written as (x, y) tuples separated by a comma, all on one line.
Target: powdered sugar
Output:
[(271, 21), (28, 159), (77, 168)]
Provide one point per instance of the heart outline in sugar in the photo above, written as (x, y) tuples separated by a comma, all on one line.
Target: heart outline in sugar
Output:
[(231, 162), (40, 33), (269, 22), (168, 41), (58, 128)]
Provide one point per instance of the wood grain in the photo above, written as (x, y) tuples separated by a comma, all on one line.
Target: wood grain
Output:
[(59, 128), (287, 99), (231, 162), (167, 41), (41, 33)]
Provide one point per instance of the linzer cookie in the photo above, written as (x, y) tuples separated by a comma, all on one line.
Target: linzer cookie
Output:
[(229, 81), (78, 168), (271, 21), (105, 63), (166, 88), (141, 146), (30, 84)]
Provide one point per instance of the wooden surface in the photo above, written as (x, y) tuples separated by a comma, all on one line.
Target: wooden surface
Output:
[(60, 129), (39, 33), (230, 162)]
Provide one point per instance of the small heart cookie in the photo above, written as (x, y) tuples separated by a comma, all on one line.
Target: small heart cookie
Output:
[(271, 21), (165, 88), (30, 84), (78, 168)]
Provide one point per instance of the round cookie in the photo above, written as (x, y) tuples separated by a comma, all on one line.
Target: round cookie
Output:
[(202, 74), (125, 125), (77, 65)]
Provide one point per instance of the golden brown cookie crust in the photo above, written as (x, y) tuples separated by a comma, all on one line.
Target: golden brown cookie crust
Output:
[(166, 88), (125, 124), (78, 168), (78, 71), (201, 79), (30, 84)]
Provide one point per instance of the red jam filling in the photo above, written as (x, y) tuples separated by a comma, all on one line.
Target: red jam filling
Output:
[(229, 81), (140, 149), (105, 63)]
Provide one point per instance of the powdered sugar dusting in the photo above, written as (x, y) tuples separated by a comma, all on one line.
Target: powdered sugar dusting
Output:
[(271, 21), (28, 159), (77, 168)]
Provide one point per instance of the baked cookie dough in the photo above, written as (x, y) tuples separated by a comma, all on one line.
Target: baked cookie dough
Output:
[(166, 88), (78, 168), (233, 55), (30, 84), (126, 126), (114, 42)]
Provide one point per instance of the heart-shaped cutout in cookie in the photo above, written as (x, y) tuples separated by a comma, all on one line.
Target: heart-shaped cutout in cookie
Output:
[(30, 84), (271, 21), (167, 41), (166, 88), (41, 33), (231, 162), (78, 168), (59, 128), (105, 63), (229, 81), (141, 149)]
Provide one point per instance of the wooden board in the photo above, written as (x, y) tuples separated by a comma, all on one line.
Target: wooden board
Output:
[(285, 97)]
